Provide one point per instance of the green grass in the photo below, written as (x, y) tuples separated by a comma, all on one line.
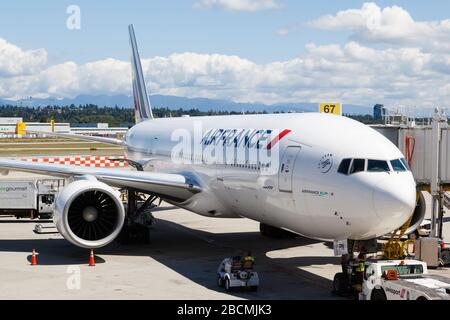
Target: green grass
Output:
[(16, 140), (68, 147), (58, 145)]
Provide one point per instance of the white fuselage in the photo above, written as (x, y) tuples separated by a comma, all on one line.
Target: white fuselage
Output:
[(305, 193)]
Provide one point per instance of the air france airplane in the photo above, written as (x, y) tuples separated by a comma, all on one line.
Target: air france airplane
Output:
[(321, 176)]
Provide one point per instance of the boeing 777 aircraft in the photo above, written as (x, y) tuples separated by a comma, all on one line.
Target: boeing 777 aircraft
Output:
[(321, 176)]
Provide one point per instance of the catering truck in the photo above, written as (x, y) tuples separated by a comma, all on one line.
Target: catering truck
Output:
[(29, 199)]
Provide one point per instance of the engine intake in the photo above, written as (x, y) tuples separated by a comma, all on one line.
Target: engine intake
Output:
[(89, 213)]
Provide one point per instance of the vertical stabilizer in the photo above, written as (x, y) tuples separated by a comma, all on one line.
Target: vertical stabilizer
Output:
[(142, 107)]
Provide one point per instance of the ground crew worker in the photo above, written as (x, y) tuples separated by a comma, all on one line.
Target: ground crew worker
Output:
[(360, 267), (249, 260), (249, 257), (359, 271)]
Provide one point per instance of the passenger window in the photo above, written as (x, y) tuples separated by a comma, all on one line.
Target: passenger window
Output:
[(397, 165), (377, 166), (358, 165), (344, 166)]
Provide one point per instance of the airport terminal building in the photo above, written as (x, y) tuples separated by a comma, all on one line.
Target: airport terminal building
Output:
[(9, 128)]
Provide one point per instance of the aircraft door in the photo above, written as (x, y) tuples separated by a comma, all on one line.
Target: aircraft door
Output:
[(287, 168)]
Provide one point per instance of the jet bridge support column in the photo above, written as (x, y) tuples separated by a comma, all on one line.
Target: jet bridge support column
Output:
[(441, 216), (439, 120)]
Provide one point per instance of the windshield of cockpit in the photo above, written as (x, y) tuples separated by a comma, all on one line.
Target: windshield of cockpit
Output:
[(351, 166)]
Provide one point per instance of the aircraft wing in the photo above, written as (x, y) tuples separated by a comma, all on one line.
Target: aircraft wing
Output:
[(168, 186), (112, 141)]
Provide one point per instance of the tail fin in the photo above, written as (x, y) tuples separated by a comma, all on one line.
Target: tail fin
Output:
[(142, 107)]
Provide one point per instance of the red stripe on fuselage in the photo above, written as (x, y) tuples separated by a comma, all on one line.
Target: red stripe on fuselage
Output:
[(278, 138)]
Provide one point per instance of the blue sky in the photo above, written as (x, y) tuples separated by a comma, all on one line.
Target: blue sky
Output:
[(271, 51), (165, 27)]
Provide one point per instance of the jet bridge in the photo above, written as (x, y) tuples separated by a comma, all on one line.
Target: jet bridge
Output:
[(427, 150)]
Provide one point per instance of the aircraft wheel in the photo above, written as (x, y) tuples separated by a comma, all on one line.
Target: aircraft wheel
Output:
[(134, 234), (340, 284)]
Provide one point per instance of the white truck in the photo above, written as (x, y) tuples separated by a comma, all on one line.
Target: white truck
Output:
[(402, 280), (236, 273), (29, 199)]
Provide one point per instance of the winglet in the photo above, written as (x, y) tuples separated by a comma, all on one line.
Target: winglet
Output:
[(142, 107)]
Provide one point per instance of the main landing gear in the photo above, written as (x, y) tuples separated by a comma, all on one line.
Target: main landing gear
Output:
[(136, 229)]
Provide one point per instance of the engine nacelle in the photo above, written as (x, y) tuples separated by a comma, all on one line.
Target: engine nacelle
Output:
[(89, 213), (418, 215)]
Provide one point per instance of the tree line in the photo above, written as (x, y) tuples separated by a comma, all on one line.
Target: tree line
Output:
[(114, 116)]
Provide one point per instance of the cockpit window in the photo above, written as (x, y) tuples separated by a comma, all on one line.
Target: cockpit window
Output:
[(351, 166), (405, 163), (397, 165), (358, 165), (344, 166), (378, 166)]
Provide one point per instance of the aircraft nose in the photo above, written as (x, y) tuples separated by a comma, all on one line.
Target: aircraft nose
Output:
[(394, 198)]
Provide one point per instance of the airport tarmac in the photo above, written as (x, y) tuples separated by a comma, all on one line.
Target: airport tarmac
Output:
[(179, 263)]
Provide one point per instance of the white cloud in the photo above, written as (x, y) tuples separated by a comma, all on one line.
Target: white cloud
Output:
[(390, 25), (352, 19), (239, 5), (351, 73), (107, 76), (15, 61)]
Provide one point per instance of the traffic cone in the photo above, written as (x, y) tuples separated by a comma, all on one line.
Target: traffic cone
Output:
[(91, 259), (33, 258)]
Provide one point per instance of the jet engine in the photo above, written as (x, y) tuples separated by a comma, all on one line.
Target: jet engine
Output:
[(89, 213), (418, 215)]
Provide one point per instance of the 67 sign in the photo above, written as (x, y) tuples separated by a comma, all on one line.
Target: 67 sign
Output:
[(331, 108)]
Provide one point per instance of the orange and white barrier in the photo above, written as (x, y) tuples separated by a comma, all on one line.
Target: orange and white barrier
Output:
[(82, 161)]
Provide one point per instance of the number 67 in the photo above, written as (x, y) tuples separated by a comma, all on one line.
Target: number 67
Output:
[(328, 107)]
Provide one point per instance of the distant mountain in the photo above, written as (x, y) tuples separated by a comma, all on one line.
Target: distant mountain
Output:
[(173, 102), (100, 100), (204, 104)]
